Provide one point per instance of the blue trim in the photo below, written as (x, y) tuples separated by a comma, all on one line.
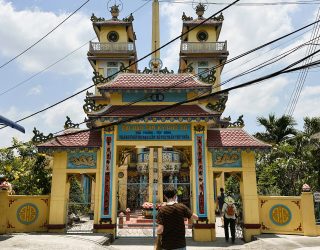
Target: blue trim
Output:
[(197, 176), (27, 222), (103, 175), (154, 97), (276, 206)]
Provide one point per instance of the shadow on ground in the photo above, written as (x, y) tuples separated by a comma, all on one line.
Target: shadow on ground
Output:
[(139, 241)]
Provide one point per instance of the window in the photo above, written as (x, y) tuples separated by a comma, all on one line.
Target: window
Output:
[(202, 36), (113, 36), (112, 68), (203, 66)]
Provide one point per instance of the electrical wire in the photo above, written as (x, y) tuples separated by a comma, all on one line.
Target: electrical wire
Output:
[(264, 64), (303, 73), (126, 68), (61, 59), (51, 31), (217, 66), (312, 2)]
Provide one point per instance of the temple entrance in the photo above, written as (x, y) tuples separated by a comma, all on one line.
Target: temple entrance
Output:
[(231, 182), (80, 206), (141, 180)]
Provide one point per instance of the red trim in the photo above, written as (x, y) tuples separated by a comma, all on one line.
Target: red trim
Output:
[(104, 226), (252, 226), (204, 226), (56, 226)]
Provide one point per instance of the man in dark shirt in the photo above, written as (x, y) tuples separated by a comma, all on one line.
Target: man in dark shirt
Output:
[(220, 201), (170, 219)]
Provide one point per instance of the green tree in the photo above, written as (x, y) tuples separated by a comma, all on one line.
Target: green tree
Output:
[(291, 163), (26, 169), (277, 129)]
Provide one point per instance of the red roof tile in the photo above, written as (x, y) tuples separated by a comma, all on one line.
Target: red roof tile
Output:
[(87, 138), (232, 137), (133, 110), (154, 81)]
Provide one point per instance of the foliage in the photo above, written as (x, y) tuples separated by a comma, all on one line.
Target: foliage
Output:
[(76, 198), (26, 169), (291, 162), (277, 129)]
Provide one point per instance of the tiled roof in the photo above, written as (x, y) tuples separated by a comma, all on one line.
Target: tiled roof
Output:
[(134, 110), (154, 81), (232, 137), (87, 139)]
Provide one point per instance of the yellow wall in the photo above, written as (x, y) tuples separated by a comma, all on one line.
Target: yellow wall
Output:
[(293, 203), (22, 213), (212, 36), (123, 36), (302, 214)]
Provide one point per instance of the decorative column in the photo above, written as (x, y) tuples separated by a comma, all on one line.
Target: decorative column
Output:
[(151, 162), (107, 222), (160, 177), (59, 194), (249, 194), (202, 230), (308, 215), (3, 210)]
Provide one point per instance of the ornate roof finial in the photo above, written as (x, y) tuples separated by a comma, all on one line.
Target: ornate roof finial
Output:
[(115, 10), (200, 7)]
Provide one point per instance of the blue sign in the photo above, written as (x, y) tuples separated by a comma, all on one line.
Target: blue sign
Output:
[(80, 160), (154, 132), (155, 97)]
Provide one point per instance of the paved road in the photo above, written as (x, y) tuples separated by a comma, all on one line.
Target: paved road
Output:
[(81, 242)]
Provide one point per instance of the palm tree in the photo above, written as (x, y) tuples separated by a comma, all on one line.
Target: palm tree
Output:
[(277, 129)]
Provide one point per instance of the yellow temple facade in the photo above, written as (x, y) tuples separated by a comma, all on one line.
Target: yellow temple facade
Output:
[(145, 134)]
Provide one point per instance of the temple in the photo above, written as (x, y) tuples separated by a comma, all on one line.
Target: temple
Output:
[(140, 141)]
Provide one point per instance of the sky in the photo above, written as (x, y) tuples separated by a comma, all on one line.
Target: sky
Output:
[(23, 22)]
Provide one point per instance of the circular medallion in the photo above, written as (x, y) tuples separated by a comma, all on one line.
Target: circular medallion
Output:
[(202, 36), (155, 63), (280, 215), (120, 175), (113, 36), (27, 213)]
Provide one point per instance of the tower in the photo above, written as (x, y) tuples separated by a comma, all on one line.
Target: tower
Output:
[(115, 48), (200, 49)]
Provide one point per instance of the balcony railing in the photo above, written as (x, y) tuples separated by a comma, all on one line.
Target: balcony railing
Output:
[(203, 47), (112, 47)]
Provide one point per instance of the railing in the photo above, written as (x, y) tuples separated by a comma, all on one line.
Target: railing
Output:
[(203, 47), (111, 47)]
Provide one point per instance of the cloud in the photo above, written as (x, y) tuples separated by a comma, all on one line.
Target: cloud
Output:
[(257, 99), (36, 90), (20, 29), (50, 121)]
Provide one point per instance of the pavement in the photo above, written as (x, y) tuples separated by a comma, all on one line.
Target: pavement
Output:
[(97, 241), (142, 240)]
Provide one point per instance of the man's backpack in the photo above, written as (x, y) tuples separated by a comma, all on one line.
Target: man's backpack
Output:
[(230, 210)]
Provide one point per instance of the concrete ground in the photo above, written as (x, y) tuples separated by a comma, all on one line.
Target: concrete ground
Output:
[(94, 241)]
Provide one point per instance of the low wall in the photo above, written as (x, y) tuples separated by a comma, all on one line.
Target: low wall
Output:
[(25, 213), (281, 214)]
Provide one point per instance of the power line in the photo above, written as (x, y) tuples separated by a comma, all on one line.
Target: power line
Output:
[(287, 69), (61, 59), (124, 69), (268, 62), (303, 73), (312, 2), (228, 61), (45, 69), (34, 44)]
